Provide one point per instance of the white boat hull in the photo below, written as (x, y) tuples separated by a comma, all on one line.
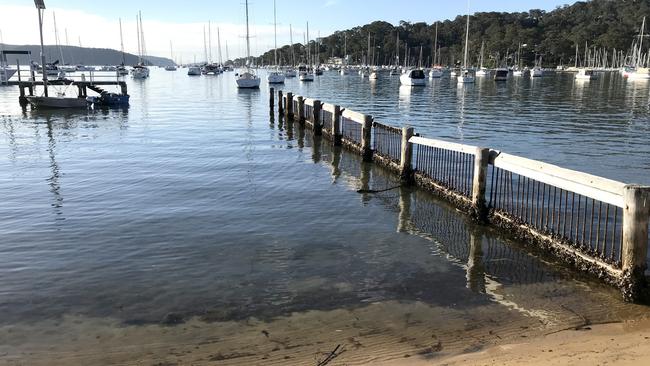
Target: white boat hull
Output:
[(275, 78), (536, 73), (374, 76), (405, 79), (435, 74), (140, 73), (466, 79), (290, 73), (194, 71), (248, 80), (306, 76)]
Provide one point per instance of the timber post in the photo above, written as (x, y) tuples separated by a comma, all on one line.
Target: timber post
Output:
[(301, 110), (271, 101), (318, 122), (366, 137), (406, 156), (280, 109), (634, 248), (289, 106), (479, 185), (336, 126)]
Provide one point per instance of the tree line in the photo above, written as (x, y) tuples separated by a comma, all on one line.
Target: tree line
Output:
[(553, 35)]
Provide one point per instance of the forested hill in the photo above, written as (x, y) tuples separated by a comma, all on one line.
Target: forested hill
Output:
[(80, 55), (604, 24)]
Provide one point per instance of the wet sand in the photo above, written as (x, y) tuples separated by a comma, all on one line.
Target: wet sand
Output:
[(382, 333)]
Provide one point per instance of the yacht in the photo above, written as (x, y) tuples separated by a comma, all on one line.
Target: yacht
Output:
[(536, 72), (466, 76), (248, 79), (413, 77), (194, 71), (290, 73), (501, 74), (277, 76), (140, 71)]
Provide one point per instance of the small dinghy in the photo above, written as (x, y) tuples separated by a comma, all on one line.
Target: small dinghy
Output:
[(57, 102)]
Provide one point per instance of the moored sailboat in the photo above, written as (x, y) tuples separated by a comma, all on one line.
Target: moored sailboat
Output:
[(247, 79)]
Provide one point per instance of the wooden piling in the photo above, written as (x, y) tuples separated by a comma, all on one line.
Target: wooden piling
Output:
[(301, 110), (280, 109), (479, 185), (366, 137), (318, 121), (289, 108), (336, 126), (271, 101), (636, 211), (406, 156)]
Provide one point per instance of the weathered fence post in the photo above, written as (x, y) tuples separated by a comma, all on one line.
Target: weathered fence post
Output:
[(280, 102), (336, 126), (301, 110), (635, 239), (289, 106), (406, 156), (271, 101), (318, 122), (366, 137), (481, 159)]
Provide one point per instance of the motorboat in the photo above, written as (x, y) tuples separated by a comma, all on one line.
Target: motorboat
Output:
[(501, 74), (194, 71), (106, 99), (414, 77)]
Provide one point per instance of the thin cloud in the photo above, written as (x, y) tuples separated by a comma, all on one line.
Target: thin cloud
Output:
[(330, 3)]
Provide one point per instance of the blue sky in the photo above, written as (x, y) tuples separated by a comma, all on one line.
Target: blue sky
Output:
[(95, 23)]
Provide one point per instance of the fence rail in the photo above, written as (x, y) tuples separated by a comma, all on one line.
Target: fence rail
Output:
[(596, 224)]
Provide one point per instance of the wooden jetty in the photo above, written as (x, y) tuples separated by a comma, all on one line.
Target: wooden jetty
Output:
[(26, 80), (596, 225)]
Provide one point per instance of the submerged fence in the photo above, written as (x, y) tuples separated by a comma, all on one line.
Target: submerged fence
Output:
[(595, 224)]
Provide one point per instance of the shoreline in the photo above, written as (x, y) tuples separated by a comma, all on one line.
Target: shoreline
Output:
[(621, 343)]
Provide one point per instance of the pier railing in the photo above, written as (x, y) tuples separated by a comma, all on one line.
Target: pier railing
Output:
[(595, 224)]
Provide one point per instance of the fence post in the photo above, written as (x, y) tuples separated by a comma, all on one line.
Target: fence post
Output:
[(289, 106), (318, 123), (301, 110), (366, 137), (406, 156), (635, 239), (336, 126), (280, 102), (481, 159), (271, 101)]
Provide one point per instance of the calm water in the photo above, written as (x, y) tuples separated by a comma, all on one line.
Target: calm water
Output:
[(193, 202)]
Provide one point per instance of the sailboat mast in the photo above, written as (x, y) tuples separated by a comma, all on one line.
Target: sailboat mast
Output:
[(293, 52), (144, 47), (308, 47), (248, 43), (435, 46), (466, 38), (137, 23), (205, 47), (209, 43), (56, 38), (397, 49), (640, 42), (121, 42), (275, 36), (219, 44)]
